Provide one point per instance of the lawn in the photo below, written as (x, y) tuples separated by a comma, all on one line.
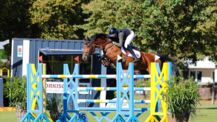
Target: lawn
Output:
[(205, 113), (8, 116)]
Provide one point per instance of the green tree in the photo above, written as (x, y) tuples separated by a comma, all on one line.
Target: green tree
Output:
[(57, 19), (15, 21), (117, 13), (180, 28), (185, 28)]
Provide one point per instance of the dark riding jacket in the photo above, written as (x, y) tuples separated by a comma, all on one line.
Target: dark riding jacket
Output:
[(121, 36)]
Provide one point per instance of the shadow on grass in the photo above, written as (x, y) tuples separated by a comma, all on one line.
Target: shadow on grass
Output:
[(215, 107)]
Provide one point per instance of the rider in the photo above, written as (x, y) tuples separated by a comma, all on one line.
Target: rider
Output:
[(124, 37)]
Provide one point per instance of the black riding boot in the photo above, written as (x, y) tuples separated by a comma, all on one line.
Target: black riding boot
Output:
[(130, 48)]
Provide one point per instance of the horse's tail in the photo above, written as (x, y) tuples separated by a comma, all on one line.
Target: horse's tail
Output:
[(166, 58), (161, 59)]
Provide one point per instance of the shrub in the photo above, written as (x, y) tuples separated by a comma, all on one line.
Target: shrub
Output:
[(182, 98), (15, 90), (54, 105)]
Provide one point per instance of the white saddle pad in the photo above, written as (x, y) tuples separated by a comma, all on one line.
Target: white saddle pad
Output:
[(138, 54)]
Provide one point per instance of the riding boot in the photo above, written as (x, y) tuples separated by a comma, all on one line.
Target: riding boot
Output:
[(130, 48)]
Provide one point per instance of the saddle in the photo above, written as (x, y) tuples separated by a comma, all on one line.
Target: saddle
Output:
[(123, 57), (126, 52)]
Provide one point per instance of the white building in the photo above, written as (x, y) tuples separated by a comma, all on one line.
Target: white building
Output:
[(203, 71)]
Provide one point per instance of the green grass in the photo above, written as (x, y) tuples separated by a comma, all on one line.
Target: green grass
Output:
[(205, 113), (8, 116)]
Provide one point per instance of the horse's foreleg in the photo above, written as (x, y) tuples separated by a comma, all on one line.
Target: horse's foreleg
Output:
[(113, 65), (106, 62)]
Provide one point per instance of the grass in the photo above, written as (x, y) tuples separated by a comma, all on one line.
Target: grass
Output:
[(8, 116), (205, 113)]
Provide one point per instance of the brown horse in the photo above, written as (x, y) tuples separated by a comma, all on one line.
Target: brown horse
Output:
[(111, 52)]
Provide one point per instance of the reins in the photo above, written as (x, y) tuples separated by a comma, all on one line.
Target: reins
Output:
[(102, 45)]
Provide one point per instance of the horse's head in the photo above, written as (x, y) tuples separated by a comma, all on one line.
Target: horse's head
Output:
[(95, 41), (88, 49)]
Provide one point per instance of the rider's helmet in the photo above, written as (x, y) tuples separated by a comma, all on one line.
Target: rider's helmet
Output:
[(113, 32)]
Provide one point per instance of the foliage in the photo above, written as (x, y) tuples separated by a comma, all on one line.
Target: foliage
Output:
[(2, 54), (15, 90), (54, 106), (14, 19), (180, 28), (142, 83), (57, 18), (182, 98), (1, 63), (117, 13), (173, 25)]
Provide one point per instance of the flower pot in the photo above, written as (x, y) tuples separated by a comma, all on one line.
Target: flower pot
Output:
[(182, 118), (170, 118)]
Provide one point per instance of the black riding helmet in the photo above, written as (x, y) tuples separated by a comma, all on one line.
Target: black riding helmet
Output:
[(113, 32)]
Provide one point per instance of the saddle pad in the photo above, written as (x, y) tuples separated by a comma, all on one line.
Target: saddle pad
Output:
[(138, 54), (157, 57)]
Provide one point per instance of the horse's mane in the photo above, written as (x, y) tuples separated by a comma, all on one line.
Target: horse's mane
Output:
[(98, 35)]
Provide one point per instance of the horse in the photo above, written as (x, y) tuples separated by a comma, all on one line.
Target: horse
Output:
[(112, 52)]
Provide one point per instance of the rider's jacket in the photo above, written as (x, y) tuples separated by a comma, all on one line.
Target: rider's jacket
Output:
[(122, 34)]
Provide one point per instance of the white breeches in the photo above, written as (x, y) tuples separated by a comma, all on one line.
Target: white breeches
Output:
[(129, 39)]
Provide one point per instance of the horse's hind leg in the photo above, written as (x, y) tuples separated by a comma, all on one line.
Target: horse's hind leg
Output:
[(146, 62)]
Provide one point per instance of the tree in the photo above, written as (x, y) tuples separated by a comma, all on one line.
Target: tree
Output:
[(15, 21), (58, 19), (179, 28), (107, 13), (185, 28)]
